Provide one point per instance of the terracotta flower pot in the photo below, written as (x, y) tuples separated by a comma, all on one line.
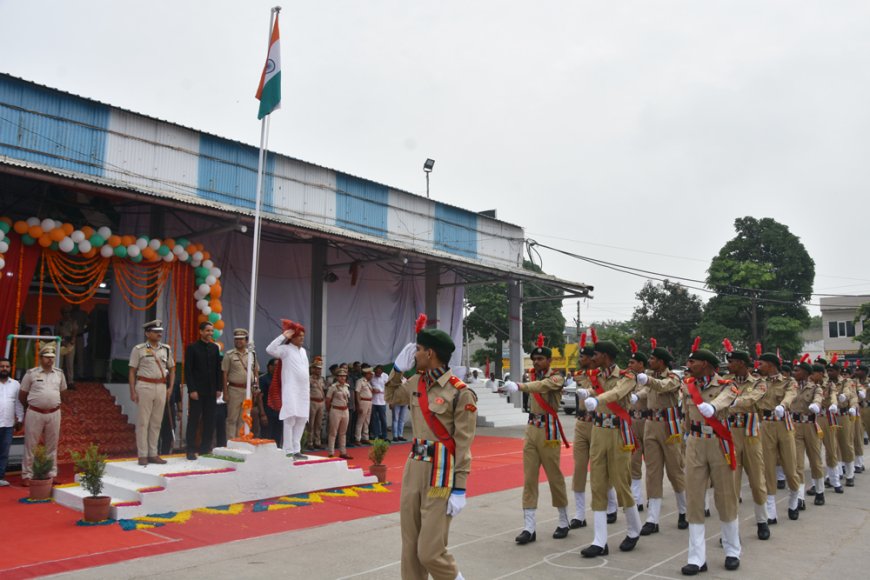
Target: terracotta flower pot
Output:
[(41, 488), (96, 509), (379, 471)]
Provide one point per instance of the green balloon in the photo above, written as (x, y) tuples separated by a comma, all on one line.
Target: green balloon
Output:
[(201, 273), (137, 258), (75, 250), (5, 228), (217, 334), (54, 246), (214, 317), (97, 240), (121, 251), (163, 250), (183, 242), (27, 240)]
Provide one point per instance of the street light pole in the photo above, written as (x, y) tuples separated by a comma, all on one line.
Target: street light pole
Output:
[(427, 169)]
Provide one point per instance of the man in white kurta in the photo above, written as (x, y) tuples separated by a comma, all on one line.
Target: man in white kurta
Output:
[(294, 387)]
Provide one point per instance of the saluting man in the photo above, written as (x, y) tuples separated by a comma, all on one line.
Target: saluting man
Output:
[(805, 408), (151, 364), (444, 418), (235, 372), (40, 393), (543, 440)]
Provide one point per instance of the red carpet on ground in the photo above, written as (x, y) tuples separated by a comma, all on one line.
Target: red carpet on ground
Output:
[(44, 539)]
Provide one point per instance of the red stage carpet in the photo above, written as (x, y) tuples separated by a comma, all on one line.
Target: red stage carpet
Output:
[(44, 538)]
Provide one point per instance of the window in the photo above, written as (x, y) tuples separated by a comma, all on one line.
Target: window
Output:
[(841, 329)]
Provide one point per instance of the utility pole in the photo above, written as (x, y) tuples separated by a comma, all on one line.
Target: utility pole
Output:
[(754, 315)]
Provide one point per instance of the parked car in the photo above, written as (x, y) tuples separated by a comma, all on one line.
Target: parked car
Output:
[(569, 398)]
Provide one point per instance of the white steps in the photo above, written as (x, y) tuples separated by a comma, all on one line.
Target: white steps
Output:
[(494, 410)]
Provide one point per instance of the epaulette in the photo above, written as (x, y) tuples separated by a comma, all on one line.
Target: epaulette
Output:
[(456, 382), (724, 381), (628, 374)]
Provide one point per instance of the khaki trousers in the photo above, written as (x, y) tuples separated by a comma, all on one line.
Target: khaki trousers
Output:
[(36, 426), (659, 456), (425, 526), (706, 463), (858, 434), (845, 439), (235, 398), (363, 417), (610, 467), (750, 457), (777, 444), (536, 453), (152, 399), (582, 441), (638, 458), (338, 428), (315, 423), (865, 419), (807, 445), (829, 440)]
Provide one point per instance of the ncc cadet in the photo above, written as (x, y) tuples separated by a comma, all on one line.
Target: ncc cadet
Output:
[(541, 447), (316, 398), (235, 372), (444, 417), (662, 438), (40, 393), (611, 447), (151, 363), (639, 412), (777, 434), (709, 459), (744, 422), (804, 410), (845, 396), (863, 426), (828, 422)]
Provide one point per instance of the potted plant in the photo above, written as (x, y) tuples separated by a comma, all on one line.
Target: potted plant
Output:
[(90, 467), (376, 454), (40, 483)]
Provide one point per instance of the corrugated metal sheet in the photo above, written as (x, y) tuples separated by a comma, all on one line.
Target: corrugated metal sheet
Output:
[(361, 205), (307, 194), (455, 231), (411, 218), (228, 173)]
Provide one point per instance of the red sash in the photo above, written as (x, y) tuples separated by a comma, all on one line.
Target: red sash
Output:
[(549, 410), (434, 424), (614, 408), (721, 430)]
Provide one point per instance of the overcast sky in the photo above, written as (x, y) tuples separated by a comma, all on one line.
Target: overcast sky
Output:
[(631, 132)]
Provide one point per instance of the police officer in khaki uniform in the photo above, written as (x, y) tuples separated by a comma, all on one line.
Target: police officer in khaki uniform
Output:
[(444, 417), (706, 460), (611, 447), (151, 364), (317, 407), (542, 444), (235, 372), (662, 438), (363, 394), (40, 392), (337, 400), (806, 406), (845, 397)]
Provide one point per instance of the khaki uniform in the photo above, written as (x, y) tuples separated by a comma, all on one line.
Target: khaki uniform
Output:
[(582, 438), (744, 421), (829, 428), (152, 368), (865, 412), (705, 458), (610, 460), (777, 435), (337, 398), (423, 514), (235, 365), (542, 445), (364, 408), (807, 442), (859, 423), (845, 434), (317, 408), (639, 413), (663, 448), (42, 420)]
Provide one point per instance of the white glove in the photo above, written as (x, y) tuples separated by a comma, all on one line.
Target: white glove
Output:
[(582, 393), (706, 409), (841, 397), (511, 387), (780, 411), (852, 411), (455, 502), (633, 398), (833, 409), (405, 360), (862, 394), (591, 403), (815, 408), (642, 379)]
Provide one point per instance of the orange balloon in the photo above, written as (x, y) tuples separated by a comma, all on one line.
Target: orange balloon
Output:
[(202, 318), (57, 234), (216, 291), (90, 253), (128, 240), (6, 220), (68, 228), (219, 324), (45, 240), (21, 227), (114, 240), (35, 232), (216, 306), (206, 256), (169, 243), (88, 231)]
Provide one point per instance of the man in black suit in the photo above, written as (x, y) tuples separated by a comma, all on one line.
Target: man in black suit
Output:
[(202, 369)]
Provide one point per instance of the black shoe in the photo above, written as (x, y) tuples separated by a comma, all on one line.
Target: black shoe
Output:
[(850, 482), (640, 507), (525, 537), (828, 483), (780, 484), (802, 505), (693, 569), (299, 457), (402, 439), (594, 551), (763, 531), (793, 514), (771, 521), (628, 544), (395, 439), (649, 528), (732, 563), (812, 491), (560, 533), (820, 499), (706, 513), (682, 523), (191, 456), (838, 489), (575, 523), (611, 518)]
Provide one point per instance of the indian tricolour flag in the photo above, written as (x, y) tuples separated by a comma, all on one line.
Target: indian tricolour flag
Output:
[(269, 91)]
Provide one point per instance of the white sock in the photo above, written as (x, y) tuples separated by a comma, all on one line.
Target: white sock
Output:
[(632, 521), (697, 545), (655, 509), (529, 520), (636, 491), (841, 469), (681, 501), (820, 485), (793, 499), (802, 491), (580, 503), (563, 517), (859, 461), (834, 475), (599, 525), (459, 576), (780, 473), (611, 500), (850, 470), (760, 513), (771, 507), (731, 539)]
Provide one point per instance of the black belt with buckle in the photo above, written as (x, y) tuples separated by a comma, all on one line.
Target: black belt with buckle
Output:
[(423, 449), (607, 421), (803, 417)]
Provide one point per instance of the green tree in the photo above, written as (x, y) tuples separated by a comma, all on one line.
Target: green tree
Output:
[(668, 312), (619, 332), (861, 316), (763, 278)]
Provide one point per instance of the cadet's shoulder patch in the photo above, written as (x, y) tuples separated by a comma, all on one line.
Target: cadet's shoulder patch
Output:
[(456, 382), (627, 374), (470, 407), (724, 382)]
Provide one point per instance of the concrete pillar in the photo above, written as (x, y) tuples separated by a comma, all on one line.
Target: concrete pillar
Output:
[(433, 277), (316, 335), (515, 330)]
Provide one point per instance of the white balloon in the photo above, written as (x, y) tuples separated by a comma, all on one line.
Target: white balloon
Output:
[(133, 250), (184, 256), (200, 304), (177, 250), (168, 257), (85, 246), (107, 251), (2, 263), (33, 221), (4, 246), (77, 236), (210, 280), (197, 256), (66, 245), (216, 272), (2, 235), (47, 225), (104, 232), (204, 289), (142, 243), (207, 264), (155, 244), (195, 263), (206, 310)]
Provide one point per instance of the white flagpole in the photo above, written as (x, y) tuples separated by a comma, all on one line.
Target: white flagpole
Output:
[(255, 258)]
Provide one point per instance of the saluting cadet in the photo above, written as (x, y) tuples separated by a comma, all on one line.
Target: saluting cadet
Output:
[(862, 427), (844, 395), (40, 393), (639, 412), (709, 458), (663, 438), (541, 447), (235, 372), (611, 447), (804, 409), (151, 364), (444, 418)]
